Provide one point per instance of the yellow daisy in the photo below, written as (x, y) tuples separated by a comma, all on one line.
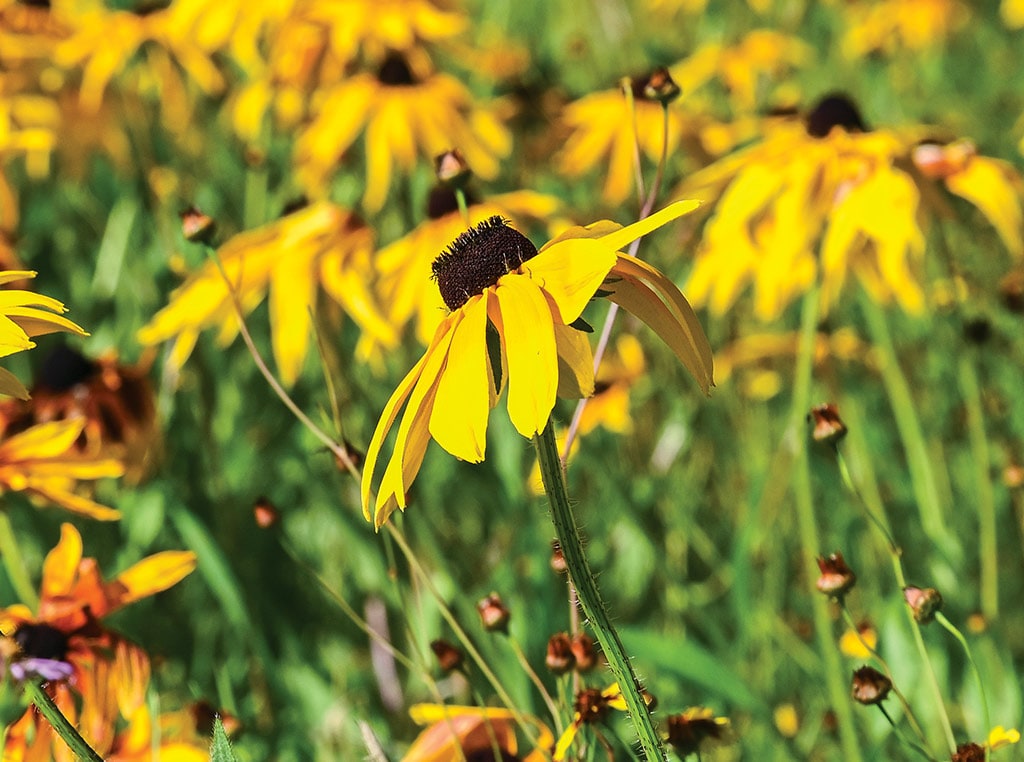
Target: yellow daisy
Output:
[(406, 111), (493, 280), (404, 266), (890, 26), (321, 243), (834, 181)]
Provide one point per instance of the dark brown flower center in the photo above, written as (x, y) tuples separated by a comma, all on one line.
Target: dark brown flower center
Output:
[(41, 641), (442, 202), (395, 71), (477, 258), (63, 369), (835, 110)]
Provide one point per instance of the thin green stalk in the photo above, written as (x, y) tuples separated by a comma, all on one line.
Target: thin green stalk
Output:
[(538, 683), (78, 745), (983, 497), (922, 475), (899, 733), (460, 199), (986, 718), (14, 562), (590, 597), (809, 542)]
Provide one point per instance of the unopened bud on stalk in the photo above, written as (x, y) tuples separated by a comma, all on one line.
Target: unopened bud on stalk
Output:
[(870, 686), (828, 426), (560, 658), (196, 226), (265, 513), (923, 602), (449, 657), (836, 577), (558, 564), (660, 86), (584, 651), (494, 615), (452, 169)]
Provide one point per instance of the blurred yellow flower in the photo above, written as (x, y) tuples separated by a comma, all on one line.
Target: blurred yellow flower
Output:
[(592, 705), (404, 265), (830, 180), (406, 110), (319, 244), (1000, 737), (787, 720), (44, 462), (493, 277), (859, 643), (891, 26), (473, 730), (1012, 12), (697, 728)]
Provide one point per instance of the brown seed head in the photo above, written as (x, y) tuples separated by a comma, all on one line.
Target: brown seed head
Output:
[(494, 615), (870, 686), (585, 652), (449, 657), (924, 602), (828, 426), (969, 752), (452, 169), (836, 577), (560, 658), (660, 86), (687, 731), (591, 705)]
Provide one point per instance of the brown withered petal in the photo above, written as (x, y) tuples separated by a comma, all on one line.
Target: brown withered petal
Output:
[(828, 427), (924, 602), (494, 615), (836, 577), (560, 658), (585, 652), (870, 686), (449, 657)]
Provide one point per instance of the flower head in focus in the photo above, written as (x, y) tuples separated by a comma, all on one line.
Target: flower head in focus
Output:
[(474, 730), (515, 320), (321, 244), (108, 674)]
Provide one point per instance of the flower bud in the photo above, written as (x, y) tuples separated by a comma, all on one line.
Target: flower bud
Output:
[(836, 577), (558, 564), (584, 651), (494, 615), (828, 426), (265, 513), (196, 226), (452, 169), (659, 86), (923, 602), (560, 658), (870, 686), (449, 657)]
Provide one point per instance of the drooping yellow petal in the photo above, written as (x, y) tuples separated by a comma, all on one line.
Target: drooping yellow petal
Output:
[(9, 276), (39, 323), (529, 346), (11, 386), (575, 363), (60, 569), (44, 440), (68, 500), (621, 238), (150, 576), (458, 421), (571, 271), (566, 740), (995, 189), (646, 293), (292, 296)]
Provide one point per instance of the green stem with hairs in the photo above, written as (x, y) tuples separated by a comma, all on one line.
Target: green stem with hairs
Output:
[(941, 619), (590, 597), (78, 745), (809, 541), (14, 562)]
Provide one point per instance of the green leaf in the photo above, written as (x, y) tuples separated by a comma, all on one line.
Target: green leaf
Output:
[(220, 750)]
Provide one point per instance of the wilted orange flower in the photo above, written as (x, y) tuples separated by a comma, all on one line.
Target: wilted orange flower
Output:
[(474, 730), (108, 673)]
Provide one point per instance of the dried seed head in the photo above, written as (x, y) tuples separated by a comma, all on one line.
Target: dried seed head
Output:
[(585, 652), (836, 577), (591, 704), (478, 258), (870, 686), (828, 426), (494, 615), (560, 658), (924, 602), (969, 752), (449, 657), (835, 110)]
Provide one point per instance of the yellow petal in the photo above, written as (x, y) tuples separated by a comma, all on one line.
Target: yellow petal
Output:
[(150, 576), (575, 363), (990, 185), (566, 740), (11, 386), (458, 420), (9, 276), (45, 440), (571, 271), (621, 238), (292, 296), (60, 569), (68, 500), (639, 288), (39, 323), (530, 351)]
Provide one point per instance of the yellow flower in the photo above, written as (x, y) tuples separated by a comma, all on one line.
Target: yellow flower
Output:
[(321, 243), (832, 180), (404, 266), (696, 728), (592, 706), (859, 643), (472, 729), (493, 279), (406, 110), (43, 462), (1012, 12), (895, 25), (1000, 737)]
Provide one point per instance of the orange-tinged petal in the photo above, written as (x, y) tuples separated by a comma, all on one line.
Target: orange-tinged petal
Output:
[(149, 576), (645, 292), (74, 503), (530, 351), (11, 386), (44, 440), (458, 421), (571, 271), (131, 677), (60, 569), (575, 363)]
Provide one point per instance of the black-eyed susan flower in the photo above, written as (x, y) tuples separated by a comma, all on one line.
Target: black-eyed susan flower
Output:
[(321, 244), (406, 110), (494, 281), (592, 706), (832, 180), (43, 461), (695, 729), (109, 674), (473, 730), (404, 265)]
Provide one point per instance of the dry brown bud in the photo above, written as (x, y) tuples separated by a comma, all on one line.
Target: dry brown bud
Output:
[(660, 86), (828, 426), (870, 686), (558, 564), (265, 513), (452, 169), (836, 577), (924, 602), (560, 658), (494, 615), (449, 657), (196, 226), (585, 652)]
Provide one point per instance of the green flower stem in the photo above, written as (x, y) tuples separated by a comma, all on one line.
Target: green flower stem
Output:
[(984, 498), (460, 199), (900, 734), (17, 571), (809, 542), (922, 475), (60, 723), (590, 597), (538, 683), (881, 522), (985, 717)]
